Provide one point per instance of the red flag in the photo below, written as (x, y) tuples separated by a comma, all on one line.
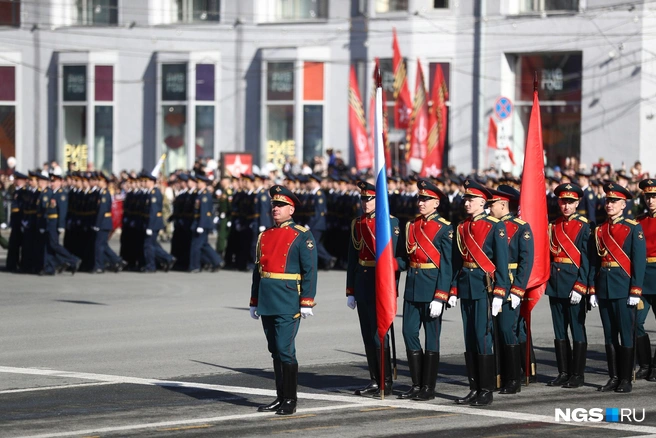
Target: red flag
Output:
[(418, 127), (492, 134), (533, 208), (363, 155), (510, 154), (437, 124), (372, 120), (402, 100)]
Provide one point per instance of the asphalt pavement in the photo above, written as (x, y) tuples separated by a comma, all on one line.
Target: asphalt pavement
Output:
[(178, 355)]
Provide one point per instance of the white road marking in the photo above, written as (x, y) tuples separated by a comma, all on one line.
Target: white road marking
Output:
[(349, 400), (175, 423), (50, 388)]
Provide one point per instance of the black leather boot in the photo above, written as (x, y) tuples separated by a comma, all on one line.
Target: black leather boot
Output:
[(289, 376), (472, 375), (611, 360), (374, 371), (577, 378), (429, 376), (563, 354), (643, 353), (533, 377), (625, 368), (512, 370), (388, 373), (652, 370), (415, 361), (273, 406), (487, 380)]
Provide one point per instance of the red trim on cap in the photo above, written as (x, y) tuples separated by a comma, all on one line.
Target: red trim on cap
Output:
[(282, 198), (496, 197), (475, 192), (614, 194), (368, 193), (565, 194), (427, 193), (650, 189)]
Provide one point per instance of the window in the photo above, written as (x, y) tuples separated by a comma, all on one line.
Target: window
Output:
[(280, 112), (300, 9), (440, 4), (10, 13), (537, 6), (193, 11), (97, 12), (383, 6), (7, 114), (559, 77), (88, 117), (188, 113)]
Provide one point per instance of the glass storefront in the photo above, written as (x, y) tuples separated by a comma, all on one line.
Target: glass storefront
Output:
[(7, 134), (103, 138), (559, 90), (280, 134), (204, 131), (174, 133), (312, 132), (75, 153)]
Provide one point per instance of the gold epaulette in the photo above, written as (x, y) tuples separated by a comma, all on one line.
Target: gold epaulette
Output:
[(444, 221), (582, 219), (631, 221), (301, 228), (519, 221), (492, 218)]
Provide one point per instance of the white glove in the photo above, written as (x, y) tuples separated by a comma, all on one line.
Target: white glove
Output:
[(215, 220), (633, 301), (149, 232), (514, 301), (262, 228), (306, 311), (229, 223), (95, 228), (61, 230), (350, 301), (199, 230), (436, 309), (593, 301), (575, 297), (453, 301), (254, 313), (3, 226), (496, 305), (307, 226), (42, 230)]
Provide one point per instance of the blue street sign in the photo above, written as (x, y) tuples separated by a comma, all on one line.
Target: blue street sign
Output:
[(503, 108)]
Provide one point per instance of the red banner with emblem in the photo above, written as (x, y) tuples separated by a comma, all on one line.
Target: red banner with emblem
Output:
[(236, 164), (372, 120), (402, 100), (418, 127), (363, 154), (437, 124)]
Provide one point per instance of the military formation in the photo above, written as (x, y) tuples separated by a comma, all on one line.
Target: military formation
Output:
[(458, 239)]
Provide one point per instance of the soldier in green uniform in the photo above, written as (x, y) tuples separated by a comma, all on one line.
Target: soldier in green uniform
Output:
[(283, 291), (569, 238), (520, 264), (361, 286), (620, 270), (224, 194), (428, 244), (648, 222), (481, 281)]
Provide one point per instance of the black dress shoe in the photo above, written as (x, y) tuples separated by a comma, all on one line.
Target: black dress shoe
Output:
[(271, 407), (610, 385), (288, 407), (371, 388), (76, 267), (170, 264)]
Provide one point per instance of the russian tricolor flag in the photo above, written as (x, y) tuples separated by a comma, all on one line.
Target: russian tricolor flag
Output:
[(385, 266)]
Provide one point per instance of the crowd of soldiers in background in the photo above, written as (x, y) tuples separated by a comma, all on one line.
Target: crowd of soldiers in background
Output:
[(188, 207)]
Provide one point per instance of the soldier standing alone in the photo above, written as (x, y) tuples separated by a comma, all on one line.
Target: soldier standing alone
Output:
[(283, 291)]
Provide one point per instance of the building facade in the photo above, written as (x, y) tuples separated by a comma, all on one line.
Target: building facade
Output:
[(117, 83)]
